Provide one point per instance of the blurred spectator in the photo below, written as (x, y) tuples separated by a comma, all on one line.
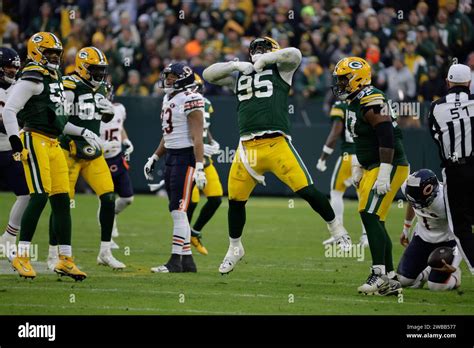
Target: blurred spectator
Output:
[(379, 75), (133, 87), (127, 49), (310, 81), (400, 81), (44, 22), (470, 63), (126, 23), (415, 63), (70, 60), (432, 88)]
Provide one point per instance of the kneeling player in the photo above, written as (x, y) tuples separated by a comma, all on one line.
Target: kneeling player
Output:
[(426, 201)]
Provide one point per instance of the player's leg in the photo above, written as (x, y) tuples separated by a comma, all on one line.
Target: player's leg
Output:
[(287, 165), (195, 198), (124, 189), (14, 176), (97, 174), (213, 191), (442, 281), (240, 186), (61, 210), (413, 269)]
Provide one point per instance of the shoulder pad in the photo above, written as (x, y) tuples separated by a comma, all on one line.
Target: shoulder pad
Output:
[(374, 98), (32, 75), (35, 67), (69, 82)]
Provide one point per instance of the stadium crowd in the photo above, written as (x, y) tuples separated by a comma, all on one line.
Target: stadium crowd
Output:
[(409, 50)]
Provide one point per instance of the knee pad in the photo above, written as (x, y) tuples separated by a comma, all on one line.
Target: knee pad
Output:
[(108, 198), (179, 216), (406, 282), (307, 192), (60, 203), (127, 200), (237, 203)]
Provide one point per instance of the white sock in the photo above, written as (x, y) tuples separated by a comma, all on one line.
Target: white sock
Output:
[(121, 203), (53, 251), (24, 249), (65, 250), (337, 204), (235, 242), (9, 237), (378, 269), (104, 246), (181, 233), (16, 212)]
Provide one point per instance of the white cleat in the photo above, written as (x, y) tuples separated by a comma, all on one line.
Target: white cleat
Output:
[(364, 242), (339, 236), (113, 245), (160, 269), (329, 241), (52, 262), (234, 255), (106, 258), (8, 247), (376, 284)]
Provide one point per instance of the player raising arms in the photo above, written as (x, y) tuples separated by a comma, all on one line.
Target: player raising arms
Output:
[(182, 124), (85, 90), (213, 189), (262, 88), (38, 101), (11, 171), (115, 136), (383, 165)]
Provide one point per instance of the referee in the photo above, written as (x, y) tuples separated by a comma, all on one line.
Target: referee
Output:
[(451, 122)]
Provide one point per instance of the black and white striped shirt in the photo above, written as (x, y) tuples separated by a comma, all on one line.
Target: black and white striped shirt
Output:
[(451, 122)]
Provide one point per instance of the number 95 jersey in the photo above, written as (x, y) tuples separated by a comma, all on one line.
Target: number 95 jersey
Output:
[(174, 118)]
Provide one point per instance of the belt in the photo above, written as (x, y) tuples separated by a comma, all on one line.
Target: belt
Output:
[(28, 129), (267, 136), (460, 161)]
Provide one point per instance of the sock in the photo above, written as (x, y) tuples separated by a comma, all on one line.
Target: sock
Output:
[(379, 269), (207, 212), (388, 249), (318, 202), (376, 237), (61, 218), (107, 216), (181, 233), (104, 246), (236, 218), (235, 242), (53, 251), (16, 212), (31, 215), (191, 208), (337, 204), (422, 278), (65, 250), (24, 249), (121, 203)]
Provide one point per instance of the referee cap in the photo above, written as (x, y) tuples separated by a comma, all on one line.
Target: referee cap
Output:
[(459, 73)]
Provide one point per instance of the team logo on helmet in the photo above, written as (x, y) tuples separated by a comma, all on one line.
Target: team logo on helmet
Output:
[(83, 54), (37, 38), (355, 64), (428, 189)]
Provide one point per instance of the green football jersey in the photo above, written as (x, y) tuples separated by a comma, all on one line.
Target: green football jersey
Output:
[(338, 112), (85, 113), (208, 110), (365, 139), (45, 111), (263, 102)]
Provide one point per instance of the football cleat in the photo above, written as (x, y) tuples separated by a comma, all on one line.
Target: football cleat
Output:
[(234, 255), (340, 235), (113, 245), (105, 258), (23, 266), (187, 262), (8, 246), (364, 242), (172, 266), (196, 242), (329, 241), (67, 267), (375, 283), (394, 288), (52, 261)]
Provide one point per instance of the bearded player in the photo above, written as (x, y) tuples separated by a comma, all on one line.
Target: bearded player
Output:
[(213, 189), (115, 138), (383, 165), (182, 123), (85, 90), (262, 88), (11, 171), (37, 99)]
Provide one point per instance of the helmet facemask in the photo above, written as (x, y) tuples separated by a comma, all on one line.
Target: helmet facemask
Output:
[(340, 88), (49, 60), (259, 47), (8, 73), (97, 74)]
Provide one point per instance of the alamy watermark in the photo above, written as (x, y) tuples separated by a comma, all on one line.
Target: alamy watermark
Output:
[(356, 251), (401, 109)]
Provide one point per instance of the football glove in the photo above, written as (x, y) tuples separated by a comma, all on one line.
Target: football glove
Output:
[(356, 171), (92, 139), (382, 184), (245, 68), (129, 147), (150, 166), (199, 176), (19, 152), (105, 106), (211, 149), (111, 147), (321, 165)]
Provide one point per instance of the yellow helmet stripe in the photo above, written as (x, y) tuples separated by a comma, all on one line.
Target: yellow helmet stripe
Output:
[(58, 43), (99, 53)]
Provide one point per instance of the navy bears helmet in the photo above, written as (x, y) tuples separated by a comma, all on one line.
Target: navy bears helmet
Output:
[(422, 188), (9, 59), (185, 78)]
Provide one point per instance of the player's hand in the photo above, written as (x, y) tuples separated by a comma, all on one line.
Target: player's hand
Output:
[(19, 152), (321, 165), (260, 64), (382, 184), (211, 149), (357, 172), (404, 239), (150, 166), (447, 268), (199, 176), (105, 106), (92, 139), (129, 147), (245, 68), (111, 147)]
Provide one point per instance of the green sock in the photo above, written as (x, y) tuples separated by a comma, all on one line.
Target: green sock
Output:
[(376, 237), (31, 215), (53, 240), (318, 202), (107, 216), (61, 218), (207, 212), (388, 250), (191, 207), (236, 217)]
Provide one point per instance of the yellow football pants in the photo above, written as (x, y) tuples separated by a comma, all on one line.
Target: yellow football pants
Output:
[(213, 187), (342, 172)]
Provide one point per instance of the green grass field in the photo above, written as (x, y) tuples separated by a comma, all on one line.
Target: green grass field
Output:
[(285, 270)]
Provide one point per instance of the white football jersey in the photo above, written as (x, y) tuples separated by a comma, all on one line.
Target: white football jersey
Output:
[(4, 143), (432, 223), (112, 131), (174, 118)]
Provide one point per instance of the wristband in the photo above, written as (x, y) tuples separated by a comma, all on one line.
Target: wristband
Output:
[(155, 157), (407, 223), (327, 150), (199, 166)]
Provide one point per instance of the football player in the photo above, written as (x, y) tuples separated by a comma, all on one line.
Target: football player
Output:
[(38, 101), (11, 171), (425, 198), (85, 92), (213, 189), (182, 123), (383, 165), (262, 87), (115, 137), (342, 174)]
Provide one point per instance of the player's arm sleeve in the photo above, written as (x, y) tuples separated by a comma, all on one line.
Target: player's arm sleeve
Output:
[(221, 74), (336, 113), (21, 92), (287, 60), (193, 103)]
